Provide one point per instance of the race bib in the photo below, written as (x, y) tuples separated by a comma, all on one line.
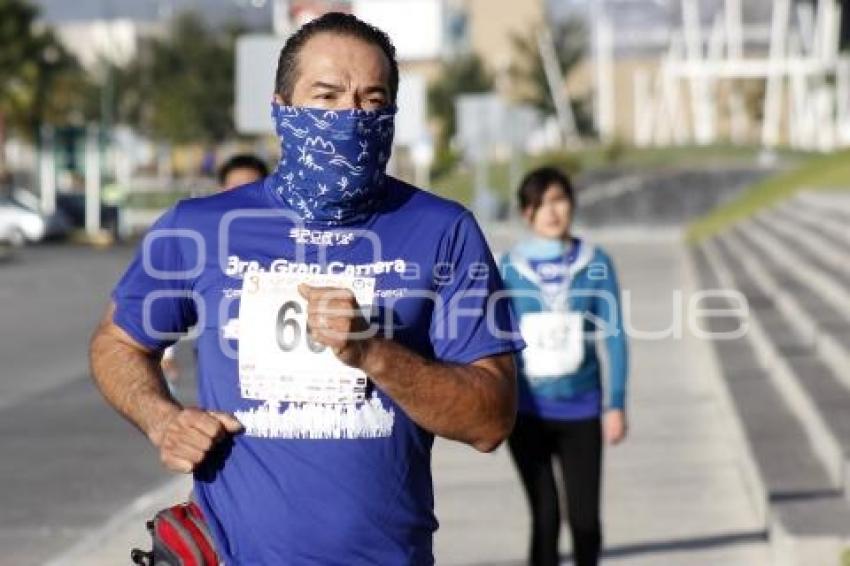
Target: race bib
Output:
[(554, 344), (277, 359)]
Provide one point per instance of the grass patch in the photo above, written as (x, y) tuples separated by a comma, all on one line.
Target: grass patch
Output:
[(458, 183), (831, 171)]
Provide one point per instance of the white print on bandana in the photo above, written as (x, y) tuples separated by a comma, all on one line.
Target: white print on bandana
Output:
[(280, 365)]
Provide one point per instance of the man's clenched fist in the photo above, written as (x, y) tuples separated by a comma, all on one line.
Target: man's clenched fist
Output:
[(189, 434)]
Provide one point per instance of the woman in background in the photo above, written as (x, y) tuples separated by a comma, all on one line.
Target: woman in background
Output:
[(565, 292)]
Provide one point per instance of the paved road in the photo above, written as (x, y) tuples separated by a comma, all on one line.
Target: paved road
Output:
[(68, 461), (51, 297)]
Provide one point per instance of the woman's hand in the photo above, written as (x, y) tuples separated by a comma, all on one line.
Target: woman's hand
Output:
[(615, 426)]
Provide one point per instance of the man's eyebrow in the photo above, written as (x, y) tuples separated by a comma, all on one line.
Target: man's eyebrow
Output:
[(327, 86), (376, 89)]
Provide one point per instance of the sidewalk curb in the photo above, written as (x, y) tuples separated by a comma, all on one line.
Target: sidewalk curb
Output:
[(132, 517)]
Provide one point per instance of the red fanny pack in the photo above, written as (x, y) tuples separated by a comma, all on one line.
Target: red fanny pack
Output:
[(180, 538)]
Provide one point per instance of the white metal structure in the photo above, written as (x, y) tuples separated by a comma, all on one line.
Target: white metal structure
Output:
[(699, 83), (603, 54)]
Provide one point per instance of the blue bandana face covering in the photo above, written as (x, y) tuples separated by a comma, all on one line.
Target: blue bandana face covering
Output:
[(333, 162)]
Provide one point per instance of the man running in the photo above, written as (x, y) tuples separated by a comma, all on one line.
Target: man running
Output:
[(344, 318)]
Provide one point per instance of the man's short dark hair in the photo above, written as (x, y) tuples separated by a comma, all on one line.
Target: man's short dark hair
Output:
[(340, 24), (534, 186), (242, 161)]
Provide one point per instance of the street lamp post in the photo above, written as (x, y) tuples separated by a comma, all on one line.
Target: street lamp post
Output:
[(92, 181)]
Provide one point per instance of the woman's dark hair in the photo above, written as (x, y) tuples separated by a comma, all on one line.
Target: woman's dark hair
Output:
[(242, 161), (535, 183), (340, 24)]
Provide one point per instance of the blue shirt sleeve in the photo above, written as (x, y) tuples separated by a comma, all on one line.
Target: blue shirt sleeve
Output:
[(610, 314), (472, 317), (154, 301)]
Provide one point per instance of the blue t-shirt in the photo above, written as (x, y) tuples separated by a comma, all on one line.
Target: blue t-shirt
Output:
[(289, 491)]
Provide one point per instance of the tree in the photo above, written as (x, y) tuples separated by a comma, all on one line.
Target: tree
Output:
[(527, 73), (180, 88), (462, 75), (39, 80)]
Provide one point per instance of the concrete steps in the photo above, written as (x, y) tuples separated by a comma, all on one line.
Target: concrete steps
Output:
[(810, 218), (788, 378), (831, 203), (820, 400), (819, 247), (750, 367), (811, 272), (803, 292)]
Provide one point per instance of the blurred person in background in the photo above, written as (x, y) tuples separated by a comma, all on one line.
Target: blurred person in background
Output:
[(565, 290), (241, 169)]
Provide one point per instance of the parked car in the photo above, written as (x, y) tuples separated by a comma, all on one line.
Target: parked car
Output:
[(20, 225), (21, 220), (59, 224)]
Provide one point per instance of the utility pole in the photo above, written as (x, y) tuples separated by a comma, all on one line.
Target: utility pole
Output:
[(47, 170), (557, 87), (92, 181)]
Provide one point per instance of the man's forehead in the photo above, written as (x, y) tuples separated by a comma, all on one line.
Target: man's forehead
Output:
[(329, 51)]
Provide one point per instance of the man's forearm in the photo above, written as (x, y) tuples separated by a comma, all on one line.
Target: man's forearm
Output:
[(462, 402), (131, 381)]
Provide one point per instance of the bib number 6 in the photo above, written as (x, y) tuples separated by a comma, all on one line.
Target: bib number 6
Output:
[(288, 329)]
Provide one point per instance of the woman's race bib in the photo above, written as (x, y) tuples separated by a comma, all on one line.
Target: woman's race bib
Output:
[(554, 344)]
